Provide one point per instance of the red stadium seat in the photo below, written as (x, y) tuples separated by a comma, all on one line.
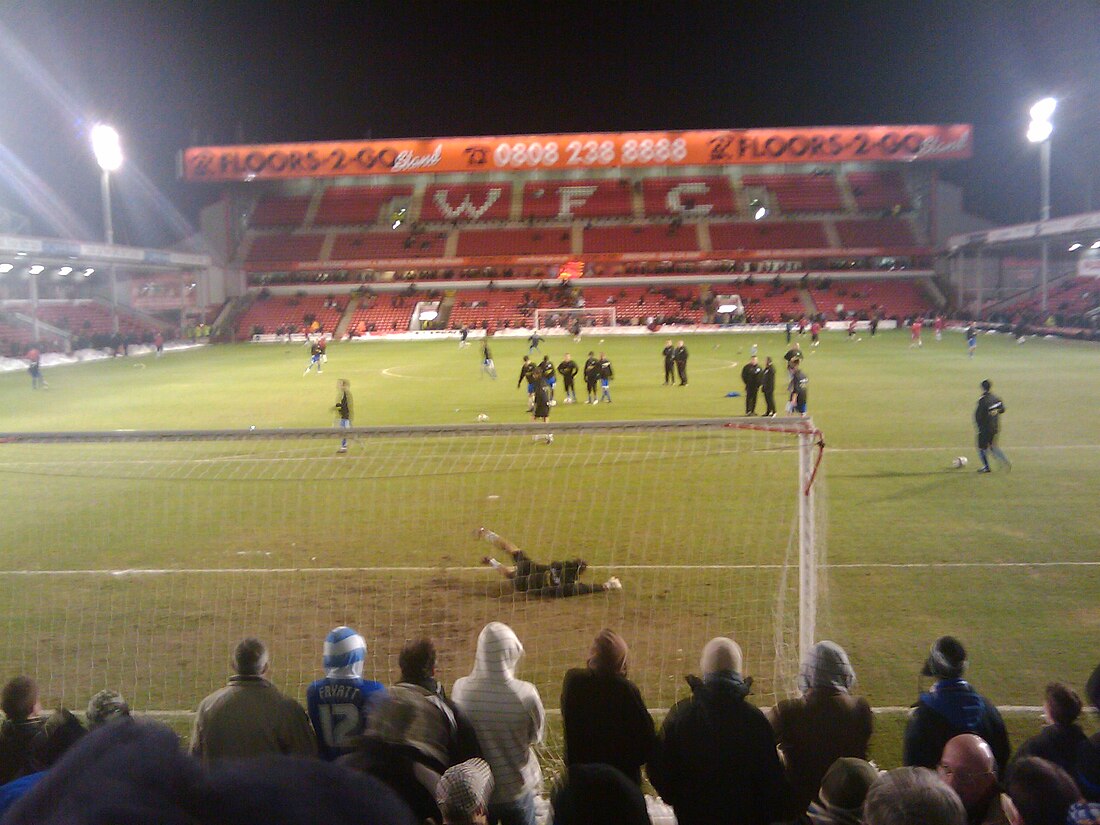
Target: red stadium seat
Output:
[(347, 205), (542, 241), (800, 193), (731, 237)]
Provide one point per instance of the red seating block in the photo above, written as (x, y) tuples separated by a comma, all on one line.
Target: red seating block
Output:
[(467, 202), (800, 193), (691, 196), (577, 199)]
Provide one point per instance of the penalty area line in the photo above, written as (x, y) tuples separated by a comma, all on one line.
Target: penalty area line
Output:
[(198, 571)]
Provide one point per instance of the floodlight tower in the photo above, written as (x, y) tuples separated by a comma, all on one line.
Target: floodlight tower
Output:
[(108, 154), (1039, 131)]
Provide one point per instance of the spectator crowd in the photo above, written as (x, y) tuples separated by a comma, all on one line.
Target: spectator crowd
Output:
[(361, 751)]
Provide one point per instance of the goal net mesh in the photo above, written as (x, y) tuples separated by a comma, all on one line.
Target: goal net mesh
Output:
[(136, 562), (567, 317)]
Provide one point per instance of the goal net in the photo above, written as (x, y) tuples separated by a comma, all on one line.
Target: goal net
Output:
[(568, 317), (136, 561)]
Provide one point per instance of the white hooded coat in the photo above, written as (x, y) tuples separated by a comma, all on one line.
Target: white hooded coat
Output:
[(506, 712)]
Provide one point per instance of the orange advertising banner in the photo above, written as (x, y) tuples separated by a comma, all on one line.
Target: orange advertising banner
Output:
[(576, 151)]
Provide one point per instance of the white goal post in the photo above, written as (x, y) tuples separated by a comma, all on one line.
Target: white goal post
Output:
[(565, 317), (129, 551)]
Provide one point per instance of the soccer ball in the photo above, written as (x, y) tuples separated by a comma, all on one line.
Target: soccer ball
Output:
[(549, 438), (959, 462), (482, 417), (252, 428)]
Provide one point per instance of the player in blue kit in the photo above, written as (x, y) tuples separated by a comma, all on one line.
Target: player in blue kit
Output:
[(340, 704)]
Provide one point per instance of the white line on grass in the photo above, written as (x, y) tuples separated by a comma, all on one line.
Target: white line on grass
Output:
[(886, 710), (194, 571)]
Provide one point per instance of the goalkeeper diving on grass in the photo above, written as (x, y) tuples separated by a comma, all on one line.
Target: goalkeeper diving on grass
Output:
[(556, 580)]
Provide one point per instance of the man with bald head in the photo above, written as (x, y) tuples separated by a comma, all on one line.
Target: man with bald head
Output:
[(716, 760), (968, 766)]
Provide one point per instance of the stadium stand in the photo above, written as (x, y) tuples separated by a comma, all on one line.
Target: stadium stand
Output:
[(348, 205), (891, 298), (800, 193), (579, 199), (732, 237), (887, 232), (765, 303), (491, 308), (83, 317), (634, 304), (541, 241), (271, 313), (1068, 300), (879, 191), (285, 248), (381, 314), (467, 202), (692, 196), (383, 245), (641, 238), (273, 212)]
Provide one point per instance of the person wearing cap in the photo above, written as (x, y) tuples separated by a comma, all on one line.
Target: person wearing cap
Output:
[(106, 706), (840, 799), (987, 416), (339, 704), (463, 793), (822, 725), (715, 759), (604, 715), (951, 707), (249, 716)]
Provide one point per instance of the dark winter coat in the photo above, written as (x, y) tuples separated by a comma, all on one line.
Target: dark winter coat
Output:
[(950, 708)]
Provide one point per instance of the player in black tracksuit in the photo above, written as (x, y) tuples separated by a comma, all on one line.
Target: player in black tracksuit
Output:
[(549, 375), (591, 376), (680, 356), (668, 353), (541, 407), (750, 374), (527, 373), (558, 579), (567, 369), (988, 418), (767, 385), (606, 374)]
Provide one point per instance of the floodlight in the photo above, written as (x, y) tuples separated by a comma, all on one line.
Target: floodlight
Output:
[(107, 147), (65, 270), (429, 315), (1095, 245), (1044, 109), (36, 269), (6, 268), (1074, 247), (396, 224), (87, 273), (726, 308), (1039, 130)]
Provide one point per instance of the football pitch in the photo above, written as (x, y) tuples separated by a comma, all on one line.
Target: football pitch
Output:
[(1008, 562)]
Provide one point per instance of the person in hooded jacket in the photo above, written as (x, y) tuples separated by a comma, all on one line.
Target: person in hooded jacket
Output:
[(715, 760), (605, 717), (509, 719), (824, 724), (950, 708)]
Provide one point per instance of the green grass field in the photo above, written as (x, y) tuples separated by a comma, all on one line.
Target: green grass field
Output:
[(1007, 562)]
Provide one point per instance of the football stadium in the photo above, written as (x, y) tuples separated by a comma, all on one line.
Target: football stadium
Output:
[(324, 419)]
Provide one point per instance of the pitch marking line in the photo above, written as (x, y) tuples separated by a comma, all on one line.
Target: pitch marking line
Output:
[(885, 710), (153, 571)]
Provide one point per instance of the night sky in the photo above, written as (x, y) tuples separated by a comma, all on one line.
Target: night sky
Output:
[(176, 73)]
